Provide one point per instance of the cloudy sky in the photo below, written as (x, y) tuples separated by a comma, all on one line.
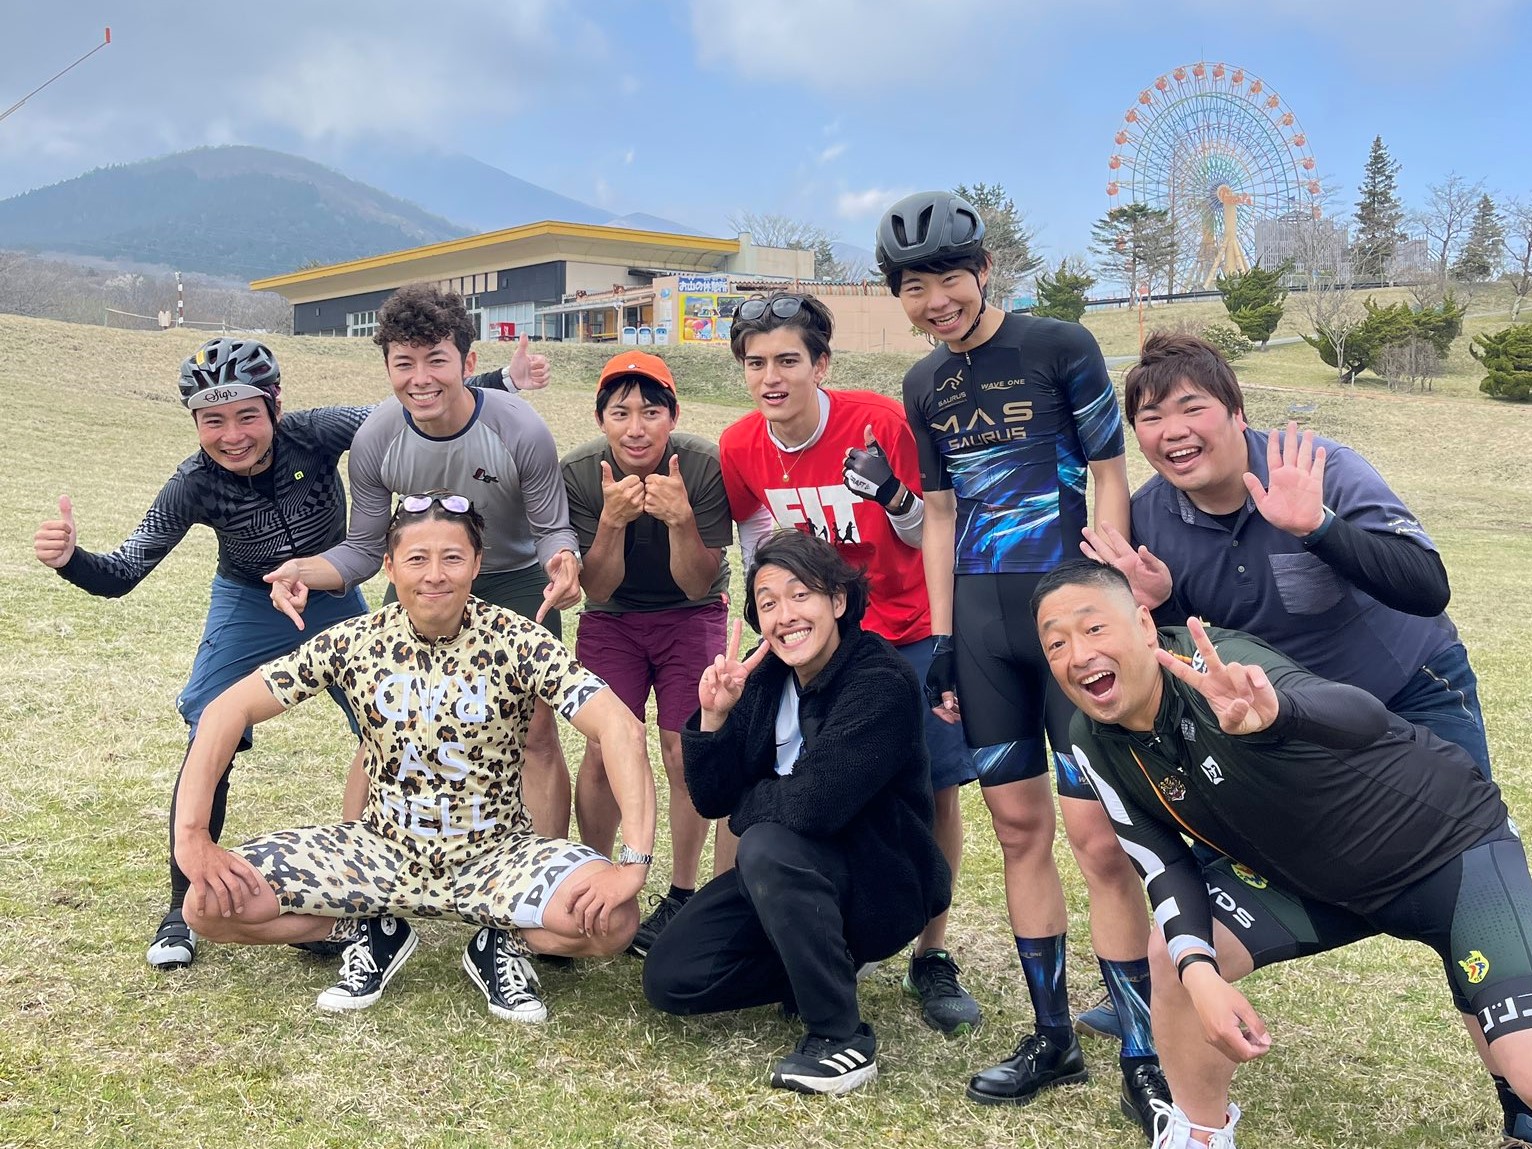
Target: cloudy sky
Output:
[(821, 109)]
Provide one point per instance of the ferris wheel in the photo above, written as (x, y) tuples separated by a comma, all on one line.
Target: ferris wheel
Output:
[(1220, 152)]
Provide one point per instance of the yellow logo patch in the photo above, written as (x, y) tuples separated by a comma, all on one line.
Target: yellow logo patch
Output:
[(1252, 879), (1476, 966)]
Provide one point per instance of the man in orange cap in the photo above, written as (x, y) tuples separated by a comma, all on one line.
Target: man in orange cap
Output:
[(649, 507)]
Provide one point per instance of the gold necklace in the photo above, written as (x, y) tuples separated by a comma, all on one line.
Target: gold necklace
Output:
[(781, 462)]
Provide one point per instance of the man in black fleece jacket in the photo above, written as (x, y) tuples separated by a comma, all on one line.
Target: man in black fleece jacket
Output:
[(813, 748)]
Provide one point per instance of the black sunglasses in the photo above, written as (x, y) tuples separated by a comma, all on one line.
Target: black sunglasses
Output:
[(415, 504), (782, 306)]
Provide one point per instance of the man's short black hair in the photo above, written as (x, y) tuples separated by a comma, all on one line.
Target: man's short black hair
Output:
[(654, 394), (812, 321), (975, 264), (817, 565), (1171, 357), (422, 315), (471, 521), (1079, 572)]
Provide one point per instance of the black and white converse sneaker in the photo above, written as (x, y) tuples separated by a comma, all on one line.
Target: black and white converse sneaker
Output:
[(381, 948), (496, 962), (174, 945), (828, 1064)]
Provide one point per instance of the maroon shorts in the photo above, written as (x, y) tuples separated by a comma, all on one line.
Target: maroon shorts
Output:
[(664, 649)]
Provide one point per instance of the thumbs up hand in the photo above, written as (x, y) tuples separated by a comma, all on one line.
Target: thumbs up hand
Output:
[(622, 502), (665, 495), (527, 372), (53, 544)]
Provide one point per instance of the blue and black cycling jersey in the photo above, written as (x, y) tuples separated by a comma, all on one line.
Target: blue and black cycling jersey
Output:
[(1011, 428)]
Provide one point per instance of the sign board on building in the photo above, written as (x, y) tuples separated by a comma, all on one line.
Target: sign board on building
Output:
[(703, 283), (708, 318)]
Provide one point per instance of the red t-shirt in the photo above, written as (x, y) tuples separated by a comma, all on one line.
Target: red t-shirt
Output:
[(815, 498)]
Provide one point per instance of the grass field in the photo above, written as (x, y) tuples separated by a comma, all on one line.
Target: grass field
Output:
[(97, 1049)]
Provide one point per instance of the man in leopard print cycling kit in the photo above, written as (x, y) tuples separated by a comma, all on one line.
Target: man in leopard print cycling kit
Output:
[(444, 687)]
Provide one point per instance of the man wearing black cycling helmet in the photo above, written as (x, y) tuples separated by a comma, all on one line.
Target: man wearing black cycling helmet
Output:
[(269, 486), (1010, 415)]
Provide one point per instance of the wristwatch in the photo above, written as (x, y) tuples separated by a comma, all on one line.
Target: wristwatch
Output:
[(628, 856)]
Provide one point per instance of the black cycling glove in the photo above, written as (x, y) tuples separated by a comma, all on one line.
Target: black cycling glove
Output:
[(868, 474), (941, 675)]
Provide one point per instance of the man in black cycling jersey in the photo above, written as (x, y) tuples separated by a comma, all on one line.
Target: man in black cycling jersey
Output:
[(1333, 819), (269, 486), (1010, 415)]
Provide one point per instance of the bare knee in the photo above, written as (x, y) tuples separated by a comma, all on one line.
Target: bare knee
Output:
[(1024, 831), (1101, 858)]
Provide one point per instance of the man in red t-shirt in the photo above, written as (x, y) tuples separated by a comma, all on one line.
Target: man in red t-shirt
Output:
[(842, 465)]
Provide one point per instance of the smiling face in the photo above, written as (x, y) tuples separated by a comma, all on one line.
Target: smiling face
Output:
[(798, 624), (429, 382), (1198, 445), (784, 382), (637, 430), (1100, 646), (944, 304), (237, 436), (432, 565)]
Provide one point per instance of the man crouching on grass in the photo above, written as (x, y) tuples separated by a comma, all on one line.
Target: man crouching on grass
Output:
[(444, 686), (1337, 821)]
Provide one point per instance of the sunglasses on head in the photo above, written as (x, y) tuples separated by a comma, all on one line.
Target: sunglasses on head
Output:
[(782, 306), (452, 504)]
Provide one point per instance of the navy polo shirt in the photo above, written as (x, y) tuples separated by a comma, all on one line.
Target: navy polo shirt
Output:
[(1254, 577)]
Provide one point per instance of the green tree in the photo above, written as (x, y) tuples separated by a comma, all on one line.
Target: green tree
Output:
[(1386, 328), (1254, 300), (1006, 237), (1481, 254), (1136, 245), (1061, 293), (1507, 357), (1378, 216)]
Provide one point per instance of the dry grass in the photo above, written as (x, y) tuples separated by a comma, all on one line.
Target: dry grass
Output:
[(95, 1048)]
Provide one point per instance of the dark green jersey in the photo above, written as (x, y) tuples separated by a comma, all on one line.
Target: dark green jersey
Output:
[(1339, 800)]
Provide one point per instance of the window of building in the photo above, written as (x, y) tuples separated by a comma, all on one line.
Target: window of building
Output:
[(361, 323)]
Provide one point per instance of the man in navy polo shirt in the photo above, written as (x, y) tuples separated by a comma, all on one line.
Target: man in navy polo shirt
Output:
[(1294, 539)]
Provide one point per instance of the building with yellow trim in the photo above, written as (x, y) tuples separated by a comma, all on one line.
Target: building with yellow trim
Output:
[(588, 282)]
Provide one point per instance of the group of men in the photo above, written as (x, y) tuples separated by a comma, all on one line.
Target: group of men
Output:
[(958, 518)]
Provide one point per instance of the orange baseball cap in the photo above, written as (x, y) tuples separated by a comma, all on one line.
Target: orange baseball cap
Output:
[(637, 363)]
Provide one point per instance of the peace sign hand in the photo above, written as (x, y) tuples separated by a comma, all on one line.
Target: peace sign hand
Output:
[(1293, 499), (724, 681), (1242, 697)]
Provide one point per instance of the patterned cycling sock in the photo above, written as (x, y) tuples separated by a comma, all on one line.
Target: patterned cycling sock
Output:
[(1042, 961), (1127, 983)]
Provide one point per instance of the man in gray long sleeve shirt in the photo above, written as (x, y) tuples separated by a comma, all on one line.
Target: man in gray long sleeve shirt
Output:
[(492, 447)]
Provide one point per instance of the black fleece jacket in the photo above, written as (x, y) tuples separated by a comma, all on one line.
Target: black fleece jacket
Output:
[(863, 782)]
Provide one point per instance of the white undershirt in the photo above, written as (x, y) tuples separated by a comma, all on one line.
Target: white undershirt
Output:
[(789, 735)]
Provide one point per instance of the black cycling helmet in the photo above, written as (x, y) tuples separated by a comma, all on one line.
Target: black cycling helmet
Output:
[(925, 228), (227, 370)]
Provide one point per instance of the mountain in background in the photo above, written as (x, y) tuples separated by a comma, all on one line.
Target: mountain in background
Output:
[(232, 211), (483, 197)]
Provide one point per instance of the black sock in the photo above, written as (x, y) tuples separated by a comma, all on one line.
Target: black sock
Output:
[(1129, 1064), (680, 895), (1511, 1106)]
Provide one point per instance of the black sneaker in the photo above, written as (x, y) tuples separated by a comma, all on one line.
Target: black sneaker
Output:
[(174, 945), (496, 963), (327, 949), (944, 1004), (382, 947), (1142, 1086), (1038, 1063), (665, 908), (828, 1064)]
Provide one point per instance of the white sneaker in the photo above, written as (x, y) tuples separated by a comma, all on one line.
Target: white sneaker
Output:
[(174, 945), (1173, 1129)]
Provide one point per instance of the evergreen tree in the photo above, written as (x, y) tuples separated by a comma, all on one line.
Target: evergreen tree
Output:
[(1136, 244), (1378, 216), (1061, 294), (1507, 356), (1254, 301), (1006, 237), (1480, 258)]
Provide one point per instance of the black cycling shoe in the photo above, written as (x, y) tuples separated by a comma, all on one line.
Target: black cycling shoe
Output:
[(1142, 1086), (1039, 1063)]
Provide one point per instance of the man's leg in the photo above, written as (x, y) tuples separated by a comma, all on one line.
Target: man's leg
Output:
[(595, 805), (545, 776), (1443, 696)]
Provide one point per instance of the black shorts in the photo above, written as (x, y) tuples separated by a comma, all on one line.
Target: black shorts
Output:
[(1007, 693), (1475, 912)]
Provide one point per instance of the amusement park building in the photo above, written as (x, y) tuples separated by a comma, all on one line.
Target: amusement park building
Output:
[(590, 283)]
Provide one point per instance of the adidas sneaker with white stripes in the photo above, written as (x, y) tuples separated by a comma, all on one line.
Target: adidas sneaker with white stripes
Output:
[(828, 1064)]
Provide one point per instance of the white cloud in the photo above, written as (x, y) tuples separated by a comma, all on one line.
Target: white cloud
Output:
[(629, 155), (834, 151), (860, 205)]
